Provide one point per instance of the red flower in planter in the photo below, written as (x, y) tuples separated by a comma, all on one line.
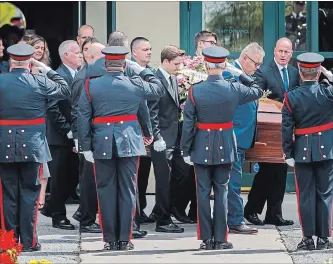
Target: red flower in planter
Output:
[(10, 249)]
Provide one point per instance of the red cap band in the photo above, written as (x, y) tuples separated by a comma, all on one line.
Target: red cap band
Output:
[(115, 57), (309, 65), (20, 58), (219, 60)]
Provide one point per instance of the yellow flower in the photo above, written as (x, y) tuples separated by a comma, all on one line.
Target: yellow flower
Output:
[(33, 262)]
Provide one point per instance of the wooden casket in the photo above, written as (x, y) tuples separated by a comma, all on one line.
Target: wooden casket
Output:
[(268, 145)]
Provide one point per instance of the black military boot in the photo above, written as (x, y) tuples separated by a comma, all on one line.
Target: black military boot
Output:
[(323, 243), (222, 245), (307, 243), (125, 245), (206, 244), (112, 246)]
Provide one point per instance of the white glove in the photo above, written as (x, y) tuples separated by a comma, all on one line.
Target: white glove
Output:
[(134, 66), (76, 142), (188, 160), (327, 73), (42, 68), (290, 162), (159, 145), (233, 69), (88, 155), (70, 134)]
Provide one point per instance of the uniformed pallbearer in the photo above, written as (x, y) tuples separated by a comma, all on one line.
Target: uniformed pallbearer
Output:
[(23, 147), (110, 136), (209, 142), (308, 114)]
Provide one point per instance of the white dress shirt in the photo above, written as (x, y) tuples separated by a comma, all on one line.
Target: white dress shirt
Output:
[(73, 72), (166, 75)]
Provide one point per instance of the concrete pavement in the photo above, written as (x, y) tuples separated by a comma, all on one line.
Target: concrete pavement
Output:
[(270, 245)]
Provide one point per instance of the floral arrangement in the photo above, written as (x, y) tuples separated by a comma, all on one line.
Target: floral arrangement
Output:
[(10, 249), (193, 71)]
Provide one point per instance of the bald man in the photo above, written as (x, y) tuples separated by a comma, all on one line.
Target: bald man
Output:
[(86, 213), (84, 32), (269, 183)]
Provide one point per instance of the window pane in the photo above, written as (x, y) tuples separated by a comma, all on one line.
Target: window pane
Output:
[(325, 25), (296, 24), (235, 23)]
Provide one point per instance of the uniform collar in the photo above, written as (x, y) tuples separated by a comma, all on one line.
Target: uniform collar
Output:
[(115, 74), (19, 70), (214, 77)]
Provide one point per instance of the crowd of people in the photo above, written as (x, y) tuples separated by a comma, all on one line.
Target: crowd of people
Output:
[(87, 126)]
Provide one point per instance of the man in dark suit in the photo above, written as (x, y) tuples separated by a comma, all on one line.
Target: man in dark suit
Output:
[(65, 164), (270, 182), (164, 115)]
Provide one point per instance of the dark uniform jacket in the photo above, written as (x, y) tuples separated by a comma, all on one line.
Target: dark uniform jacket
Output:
[(112, 95), (24, 96), (268, 77), (98, 69), (213, 103), (164, 112), (59, 115), (308, 107)]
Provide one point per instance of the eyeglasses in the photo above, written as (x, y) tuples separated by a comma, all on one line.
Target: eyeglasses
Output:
[(257, 64), (213, 43)]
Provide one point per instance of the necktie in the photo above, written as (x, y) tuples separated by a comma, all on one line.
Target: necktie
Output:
[(285, 79)]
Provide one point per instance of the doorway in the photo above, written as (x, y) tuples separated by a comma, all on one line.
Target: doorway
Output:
[(54, 21)]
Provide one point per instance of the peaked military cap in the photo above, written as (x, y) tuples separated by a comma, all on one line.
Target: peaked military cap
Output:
[(115, 52), (20, 52), (215, 54), (310, 60)]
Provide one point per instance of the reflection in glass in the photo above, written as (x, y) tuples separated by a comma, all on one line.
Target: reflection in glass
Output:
[(325, 25), (296, 24), (235, 23)]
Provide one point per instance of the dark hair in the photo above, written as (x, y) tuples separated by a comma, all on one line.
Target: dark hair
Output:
[(89, 40), (170, 53), (136, 41), (203, 35)]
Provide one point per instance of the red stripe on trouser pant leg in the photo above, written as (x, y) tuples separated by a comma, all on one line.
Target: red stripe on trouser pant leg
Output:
[(227, 231), (198, 220), (98, 203), (135, 188), (2, 216), (34, 234), (298, 201)]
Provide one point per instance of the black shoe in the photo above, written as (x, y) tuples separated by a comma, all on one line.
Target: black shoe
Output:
[(94, 228), (170, 228), (145, 219), (181, 217), (207, 245), (125, 245), (253, 219), (112, 246), (77, 216), (63, 224), (222, 245), (139, 233), (153, 218), (38, 247), (243, 229), (323, 243), (279, 221), (307, 243)]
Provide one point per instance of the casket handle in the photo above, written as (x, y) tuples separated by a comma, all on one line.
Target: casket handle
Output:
[(261, 143)]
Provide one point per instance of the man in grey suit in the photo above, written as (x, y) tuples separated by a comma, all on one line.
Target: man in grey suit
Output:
[(164, 115), (270, 182), (65, 163)]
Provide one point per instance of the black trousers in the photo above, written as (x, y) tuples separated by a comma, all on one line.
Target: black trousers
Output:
[(63, 168), (269, 185), (116, 188), (216, 176), (20, 193), (162, 162), (314, 190), (88, 193)]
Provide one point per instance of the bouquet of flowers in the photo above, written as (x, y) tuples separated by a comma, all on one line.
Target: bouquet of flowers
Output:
[(43, 261), (10, 249), (193, 71)]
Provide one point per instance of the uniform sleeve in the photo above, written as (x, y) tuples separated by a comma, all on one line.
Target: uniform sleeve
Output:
[(55, 86), (77, 87), (248, 93), (288, 125), (328, 90), (144, 119), (151, 87), (188, 130), (84, 119), (154, 110)]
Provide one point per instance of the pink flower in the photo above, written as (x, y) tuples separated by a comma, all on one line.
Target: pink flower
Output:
[(187, 60), (181, 79), (182, 106)]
